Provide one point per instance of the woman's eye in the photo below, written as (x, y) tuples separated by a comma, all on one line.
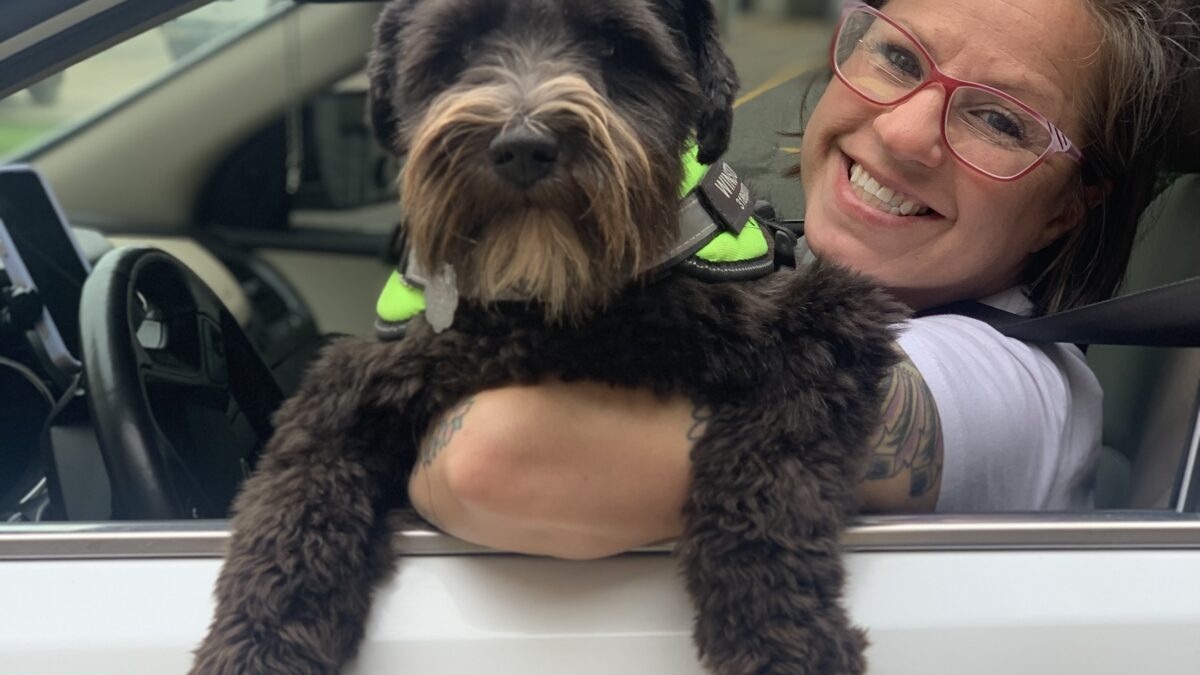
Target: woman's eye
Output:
[(999, 122), (899, 60)]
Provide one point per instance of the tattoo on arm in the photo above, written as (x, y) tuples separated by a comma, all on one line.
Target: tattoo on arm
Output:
[(447, 426), (701, 414), (910, 435)]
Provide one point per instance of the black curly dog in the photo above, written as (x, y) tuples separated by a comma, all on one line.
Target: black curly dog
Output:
[(544, 142)]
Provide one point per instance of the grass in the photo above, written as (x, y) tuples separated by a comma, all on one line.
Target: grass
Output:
[(13, 135)]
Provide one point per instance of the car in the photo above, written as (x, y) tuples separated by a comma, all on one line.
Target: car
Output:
[(250, 163)]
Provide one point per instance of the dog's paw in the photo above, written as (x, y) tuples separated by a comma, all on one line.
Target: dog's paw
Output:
[(784, 648), (716, 127), (257, 654)]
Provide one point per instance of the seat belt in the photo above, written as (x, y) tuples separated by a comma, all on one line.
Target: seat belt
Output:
[(1164, 316)]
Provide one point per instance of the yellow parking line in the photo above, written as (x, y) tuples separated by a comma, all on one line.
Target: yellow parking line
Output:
[(783, 75)]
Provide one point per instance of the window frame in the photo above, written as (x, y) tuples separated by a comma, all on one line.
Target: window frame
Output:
[(1135, 530)]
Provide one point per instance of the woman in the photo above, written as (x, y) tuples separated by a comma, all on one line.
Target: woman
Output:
[(1021, 191)]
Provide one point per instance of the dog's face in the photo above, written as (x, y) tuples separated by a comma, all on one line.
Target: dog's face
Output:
[(544, 137)]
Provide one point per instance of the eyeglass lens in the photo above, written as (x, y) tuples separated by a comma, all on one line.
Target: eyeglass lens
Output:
[(990, 132)]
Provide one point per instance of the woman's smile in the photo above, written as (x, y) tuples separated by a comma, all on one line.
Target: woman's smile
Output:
[(875, 200), (874, 193)]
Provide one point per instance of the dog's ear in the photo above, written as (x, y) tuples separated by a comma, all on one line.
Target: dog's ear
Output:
[(382, 73), (717, 77)]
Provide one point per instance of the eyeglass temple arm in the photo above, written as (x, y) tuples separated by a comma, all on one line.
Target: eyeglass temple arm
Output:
[(1060, 143)]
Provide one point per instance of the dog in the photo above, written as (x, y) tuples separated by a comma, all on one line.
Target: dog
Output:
[(545, 143)]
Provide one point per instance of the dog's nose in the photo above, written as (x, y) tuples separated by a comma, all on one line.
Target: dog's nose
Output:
[(523, 155)]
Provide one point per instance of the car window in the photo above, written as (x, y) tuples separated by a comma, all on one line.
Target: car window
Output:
[(63, 100), (341, 180)]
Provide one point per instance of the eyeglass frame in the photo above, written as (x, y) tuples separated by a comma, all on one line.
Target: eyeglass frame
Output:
[(1059, 143)]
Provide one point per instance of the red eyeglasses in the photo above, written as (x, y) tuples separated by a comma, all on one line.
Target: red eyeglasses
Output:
[(985, 128)]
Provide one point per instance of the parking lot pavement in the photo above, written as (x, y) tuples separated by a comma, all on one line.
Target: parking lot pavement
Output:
[(768, 49)]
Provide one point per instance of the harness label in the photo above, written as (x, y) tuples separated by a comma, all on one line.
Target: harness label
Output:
[(726, 197)]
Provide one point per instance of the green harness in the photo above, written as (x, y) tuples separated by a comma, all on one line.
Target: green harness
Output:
[(719, 240)]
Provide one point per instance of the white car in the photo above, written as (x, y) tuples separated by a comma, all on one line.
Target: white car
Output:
[(251, 163)]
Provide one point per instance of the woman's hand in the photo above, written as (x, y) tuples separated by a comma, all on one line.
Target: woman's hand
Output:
[(585, 470)]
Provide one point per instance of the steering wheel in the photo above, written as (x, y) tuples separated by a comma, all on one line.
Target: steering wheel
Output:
[(180, 400)]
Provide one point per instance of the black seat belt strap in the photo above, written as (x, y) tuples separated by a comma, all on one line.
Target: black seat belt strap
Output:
[(1165, 316)]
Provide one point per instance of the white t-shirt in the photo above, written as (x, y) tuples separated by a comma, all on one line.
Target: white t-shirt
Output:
[(1021, 423)]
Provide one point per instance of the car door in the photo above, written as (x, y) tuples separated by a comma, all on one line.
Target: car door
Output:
[(1099, 593)]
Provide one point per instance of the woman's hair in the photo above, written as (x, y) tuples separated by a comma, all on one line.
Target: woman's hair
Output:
[(1146, 58)]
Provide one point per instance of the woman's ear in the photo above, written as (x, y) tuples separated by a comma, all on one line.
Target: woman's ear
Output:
[(717, 78), (1094, 195), (1077, 202)]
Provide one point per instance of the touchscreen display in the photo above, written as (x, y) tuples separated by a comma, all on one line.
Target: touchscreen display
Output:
[(44, 246)]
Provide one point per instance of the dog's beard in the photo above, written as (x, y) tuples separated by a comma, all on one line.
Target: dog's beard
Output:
[(569, 242)]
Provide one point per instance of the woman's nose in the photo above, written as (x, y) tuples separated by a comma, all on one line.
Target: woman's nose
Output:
[(912, 131)]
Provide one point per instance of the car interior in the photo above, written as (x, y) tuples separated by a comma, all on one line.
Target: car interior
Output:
[(235, 210)]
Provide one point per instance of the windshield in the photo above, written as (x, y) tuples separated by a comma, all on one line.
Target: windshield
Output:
[(58, 102)]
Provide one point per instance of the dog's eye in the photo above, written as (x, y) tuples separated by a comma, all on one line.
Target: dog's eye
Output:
[(608, 47)]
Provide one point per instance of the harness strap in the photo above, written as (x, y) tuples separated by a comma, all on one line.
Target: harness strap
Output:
[(696, 229), (720, 239)]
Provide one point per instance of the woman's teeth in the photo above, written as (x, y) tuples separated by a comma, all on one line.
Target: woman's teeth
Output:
[(884, 198)]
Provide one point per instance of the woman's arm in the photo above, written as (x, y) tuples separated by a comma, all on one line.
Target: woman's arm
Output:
[(585, 470), (576, 470), (904, 471)]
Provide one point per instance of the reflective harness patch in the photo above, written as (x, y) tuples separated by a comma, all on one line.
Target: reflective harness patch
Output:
[(719, 240)]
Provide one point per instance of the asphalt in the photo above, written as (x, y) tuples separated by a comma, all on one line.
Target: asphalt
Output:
[(764, 48)]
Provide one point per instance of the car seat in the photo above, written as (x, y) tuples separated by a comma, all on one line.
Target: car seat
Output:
[(1151, 395)]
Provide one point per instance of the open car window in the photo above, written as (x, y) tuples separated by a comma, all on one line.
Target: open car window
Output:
[(332, 179)]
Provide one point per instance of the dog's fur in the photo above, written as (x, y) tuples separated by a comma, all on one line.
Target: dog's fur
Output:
[(789, 365)]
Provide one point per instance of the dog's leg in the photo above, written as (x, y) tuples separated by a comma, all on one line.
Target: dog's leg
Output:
[(761, 559), (774, 478), (310, 539)]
